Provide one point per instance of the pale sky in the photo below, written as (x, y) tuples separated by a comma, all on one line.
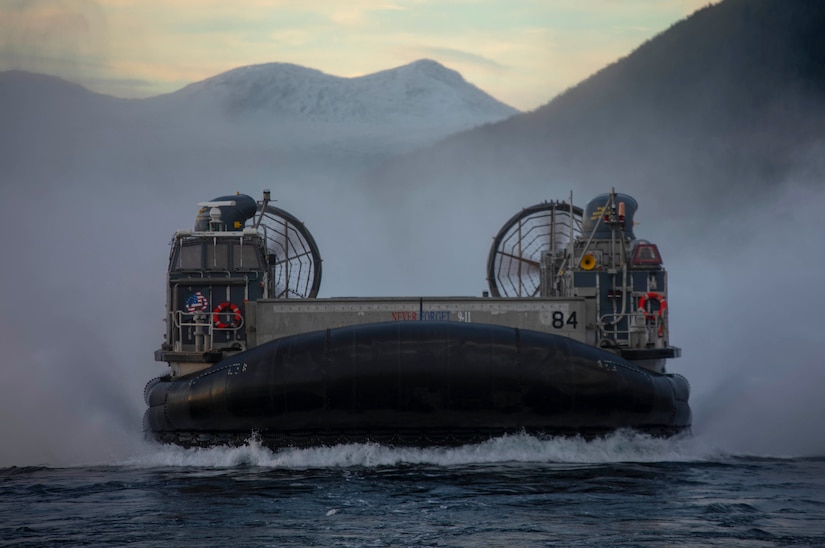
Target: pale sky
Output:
[(523, 52)]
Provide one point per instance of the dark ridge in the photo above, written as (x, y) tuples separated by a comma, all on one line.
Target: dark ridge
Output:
[(731, 98)]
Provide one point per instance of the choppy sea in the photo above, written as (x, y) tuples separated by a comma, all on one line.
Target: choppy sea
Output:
[(623, 490)]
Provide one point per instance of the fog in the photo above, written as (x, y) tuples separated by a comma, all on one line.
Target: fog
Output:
[(743, 266), (89, 200), (745, 308), (88, 216)]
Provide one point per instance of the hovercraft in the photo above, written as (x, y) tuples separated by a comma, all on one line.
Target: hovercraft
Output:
[(572, 338)]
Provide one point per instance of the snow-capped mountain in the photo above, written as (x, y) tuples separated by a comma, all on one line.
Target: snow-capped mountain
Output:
[(423, 93), (294, 116)]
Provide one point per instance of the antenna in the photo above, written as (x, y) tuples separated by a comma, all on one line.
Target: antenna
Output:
[(262, 208)]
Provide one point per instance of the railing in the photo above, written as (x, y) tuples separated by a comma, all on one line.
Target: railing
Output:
[(203, 328), (644, 330)]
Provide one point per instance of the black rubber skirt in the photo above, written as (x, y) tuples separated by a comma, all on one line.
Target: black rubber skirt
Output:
[(413, 383)]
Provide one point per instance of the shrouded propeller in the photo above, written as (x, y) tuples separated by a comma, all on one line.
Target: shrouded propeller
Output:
[(515, 263), (291, 251)]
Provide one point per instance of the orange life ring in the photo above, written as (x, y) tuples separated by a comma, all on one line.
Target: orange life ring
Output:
[(226, 308), (652, 295)]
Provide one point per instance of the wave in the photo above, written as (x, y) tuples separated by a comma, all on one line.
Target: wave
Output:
[(621, 446)]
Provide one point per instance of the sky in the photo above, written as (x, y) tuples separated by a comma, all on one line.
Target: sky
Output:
[(521, 52)]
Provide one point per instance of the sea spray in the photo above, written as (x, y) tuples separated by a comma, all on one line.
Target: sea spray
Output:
[(621, 446)]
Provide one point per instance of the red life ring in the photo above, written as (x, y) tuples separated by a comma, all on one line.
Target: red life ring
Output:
[(652, 295), (226, 308)]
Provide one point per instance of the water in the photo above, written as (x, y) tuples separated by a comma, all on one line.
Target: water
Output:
[(624, 490)]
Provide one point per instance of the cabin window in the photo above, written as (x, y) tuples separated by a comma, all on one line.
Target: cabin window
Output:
[(245, 257), (189, 257), (217, 256)]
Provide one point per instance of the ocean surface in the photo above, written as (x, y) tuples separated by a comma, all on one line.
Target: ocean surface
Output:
[(622, 490)]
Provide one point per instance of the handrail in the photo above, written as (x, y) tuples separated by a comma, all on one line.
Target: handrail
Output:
[(203, 326), (647, 330), (179, 314)]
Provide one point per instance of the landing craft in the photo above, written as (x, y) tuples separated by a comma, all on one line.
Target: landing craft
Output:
[(571, 338)]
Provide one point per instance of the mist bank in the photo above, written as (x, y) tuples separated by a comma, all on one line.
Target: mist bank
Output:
[(88, 305), (723, 152)]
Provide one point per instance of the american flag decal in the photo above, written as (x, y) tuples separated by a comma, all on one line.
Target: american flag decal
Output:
[(197, 303)]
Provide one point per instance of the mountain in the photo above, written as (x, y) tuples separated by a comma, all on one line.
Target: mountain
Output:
[(729, 102), (281, 117), (423, 93)]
